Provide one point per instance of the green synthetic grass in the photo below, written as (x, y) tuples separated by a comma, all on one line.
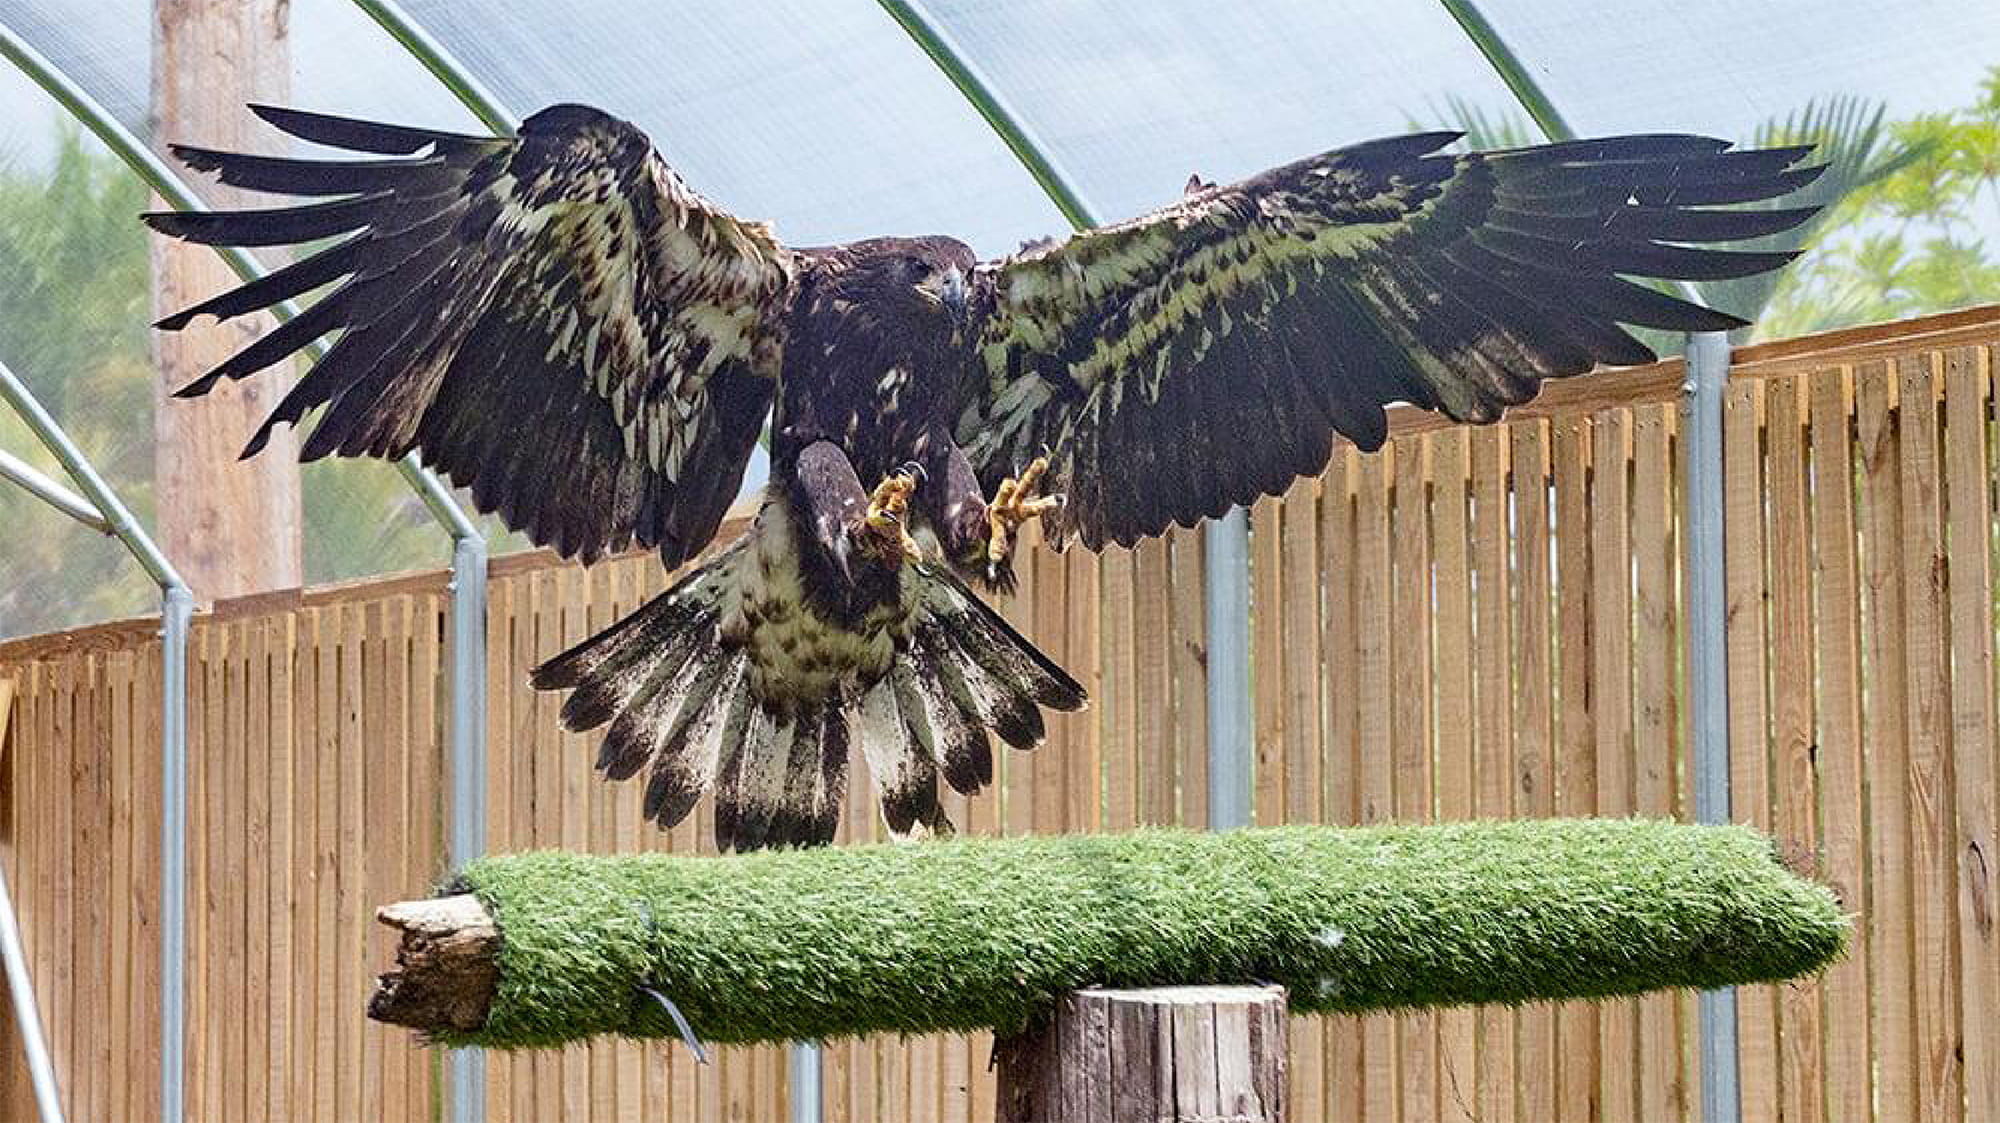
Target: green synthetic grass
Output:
[(987, 932)]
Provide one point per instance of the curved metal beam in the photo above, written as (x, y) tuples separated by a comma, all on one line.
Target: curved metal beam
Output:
[(147, 164), (943, 49), (443, 65), (35, 483), (1510, 68)]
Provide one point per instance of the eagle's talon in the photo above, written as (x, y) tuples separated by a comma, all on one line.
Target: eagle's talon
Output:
[(1014, 503), (885, 528)]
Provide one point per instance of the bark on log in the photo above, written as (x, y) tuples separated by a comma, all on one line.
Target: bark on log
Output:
[(232, 526), (1185, 1054), (447, 965)]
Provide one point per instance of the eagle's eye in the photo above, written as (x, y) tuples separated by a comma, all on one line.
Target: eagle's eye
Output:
[(942, 287)]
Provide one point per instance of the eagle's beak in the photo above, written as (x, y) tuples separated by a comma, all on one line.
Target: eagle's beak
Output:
[(953, 291), (947, 290)]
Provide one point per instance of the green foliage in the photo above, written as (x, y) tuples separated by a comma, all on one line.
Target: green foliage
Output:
[(987, 932), (74, 312), (1910, 239), (1904, 204), (73, 303)]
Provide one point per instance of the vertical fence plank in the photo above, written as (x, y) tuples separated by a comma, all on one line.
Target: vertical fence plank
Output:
[(1801, 1075), (1152, 681), (1969, 501), (1928, 720), (1267, 655), (1493, 743), (1534, 702), (1119, 700), (1891, 970), (1338, 567), (1189, 655), (1610, 689), (1410, 727), (1749, 786), (1458, 1091), (1655, 718), (1293, 670), (1579, 1091), (1374, 687), (1837, 654)]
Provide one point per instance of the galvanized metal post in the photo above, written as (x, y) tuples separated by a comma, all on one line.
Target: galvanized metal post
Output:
[(1226, 577), (176, 610), (176, 617), (1708, 670)]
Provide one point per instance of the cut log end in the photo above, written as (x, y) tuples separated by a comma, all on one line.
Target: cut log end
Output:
[(1168, 1053), (447, 965)]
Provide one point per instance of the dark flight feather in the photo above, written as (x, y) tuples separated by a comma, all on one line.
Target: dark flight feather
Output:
[(544, 318), (1301, 302)]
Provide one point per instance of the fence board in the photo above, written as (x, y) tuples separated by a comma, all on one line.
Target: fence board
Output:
[(1801, 1075), (1749, 763), (1475, 622), (1928, 720), (1891, 970), (1493, 743), (1611, 716), (1534, 700), (1972, 512), (1837, 654), (1655, 718)]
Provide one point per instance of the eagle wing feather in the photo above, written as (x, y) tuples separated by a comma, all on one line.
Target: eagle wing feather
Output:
[(555, 320), (1194, 358)]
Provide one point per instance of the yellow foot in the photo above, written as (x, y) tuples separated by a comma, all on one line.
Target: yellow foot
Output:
[(886, 526), (1014, 503)]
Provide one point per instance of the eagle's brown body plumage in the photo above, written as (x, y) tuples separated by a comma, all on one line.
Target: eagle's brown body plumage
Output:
[(561, 325)]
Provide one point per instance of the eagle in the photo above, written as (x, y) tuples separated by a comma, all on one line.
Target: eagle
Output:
[(562, 326)]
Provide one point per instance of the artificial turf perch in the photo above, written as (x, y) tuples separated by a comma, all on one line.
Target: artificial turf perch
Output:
[(990, 932)]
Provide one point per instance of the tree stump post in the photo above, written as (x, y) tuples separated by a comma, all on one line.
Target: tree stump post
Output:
[(1163, 1055)]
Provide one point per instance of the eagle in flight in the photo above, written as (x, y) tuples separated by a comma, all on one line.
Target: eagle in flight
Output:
[(558, 323)]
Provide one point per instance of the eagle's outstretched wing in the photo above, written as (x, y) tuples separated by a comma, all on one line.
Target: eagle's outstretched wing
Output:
[(554, 321), (1192, 359)]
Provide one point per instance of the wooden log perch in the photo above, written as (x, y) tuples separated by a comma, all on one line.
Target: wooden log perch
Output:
[(848, 941), (447, 965), (1179, 1054)]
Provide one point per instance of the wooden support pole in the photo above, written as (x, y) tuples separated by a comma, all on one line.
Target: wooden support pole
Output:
[(232, 526), (1179, 1054)]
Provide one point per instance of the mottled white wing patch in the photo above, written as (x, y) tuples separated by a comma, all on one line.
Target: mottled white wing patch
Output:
[(1197, 357)]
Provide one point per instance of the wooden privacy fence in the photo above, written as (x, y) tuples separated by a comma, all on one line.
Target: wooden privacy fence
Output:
[(1476, 622)]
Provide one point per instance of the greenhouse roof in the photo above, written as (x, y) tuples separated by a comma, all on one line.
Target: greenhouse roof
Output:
[(830, 120)]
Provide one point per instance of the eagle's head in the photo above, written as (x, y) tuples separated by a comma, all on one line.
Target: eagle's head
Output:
[(922, 286)]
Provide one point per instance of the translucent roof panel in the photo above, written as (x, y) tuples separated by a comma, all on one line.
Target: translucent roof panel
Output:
[(361, 518), (1725, 66), (823, 118), (1133, 96)]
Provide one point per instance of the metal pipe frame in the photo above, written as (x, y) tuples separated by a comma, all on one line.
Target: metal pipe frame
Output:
[(41, 1071), (30, 479), (1708, 678), (468, 604), (176, 614)]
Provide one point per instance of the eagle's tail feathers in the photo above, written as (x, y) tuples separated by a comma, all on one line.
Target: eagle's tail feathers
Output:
[(677, 698)]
